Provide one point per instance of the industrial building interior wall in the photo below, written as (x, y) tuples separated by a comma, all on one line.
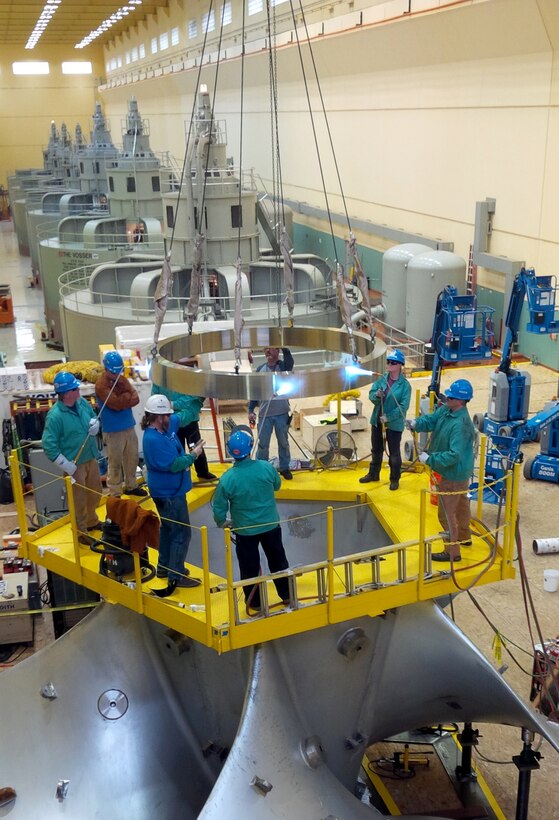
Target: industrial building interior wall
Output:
[(31, 103)]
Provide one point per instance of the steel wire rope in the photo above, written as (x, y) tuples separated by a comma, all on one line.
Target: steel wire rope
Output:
[(319, 89), (277, 184), (315, 137), (500, 635), (241, 132), (190, 126)]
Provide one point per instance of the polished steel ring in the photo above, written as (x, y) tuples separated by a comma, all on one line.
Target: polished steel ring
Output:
[(339, 371)]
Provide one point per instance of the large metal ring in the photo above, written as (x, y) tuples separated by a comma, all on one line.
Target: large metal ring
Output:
[(338, 373)]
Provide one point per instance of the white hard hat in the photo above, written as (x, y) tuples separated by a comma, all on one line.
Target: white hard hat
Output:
[(158, 405)]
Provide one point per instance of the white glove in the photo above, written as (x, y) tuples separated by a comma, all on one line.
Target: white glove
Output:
[(410, 424), (380, 393), (93, 427), (227, 523), (252, 419), (69, 467), (423, 457), (383, 419)]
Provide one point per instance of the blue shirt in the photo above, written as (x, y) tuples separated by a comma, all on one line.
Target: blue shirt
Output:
[(168, 466)]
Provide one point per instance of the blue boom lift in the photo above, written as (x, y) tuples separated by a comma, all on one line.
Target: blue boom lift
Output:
[(506, 421)]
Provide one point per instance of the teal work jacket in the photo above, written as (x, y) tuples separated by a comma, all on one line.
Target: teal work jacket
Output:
[(395, 403), (66, 429), (451, 448), (245, 494)]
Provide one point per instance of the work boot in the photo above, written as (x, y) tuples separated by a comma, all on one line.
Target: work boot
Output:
[(445, 556), (207, 476), (372, 475), (394, 484), (136, 491), (287, 474)]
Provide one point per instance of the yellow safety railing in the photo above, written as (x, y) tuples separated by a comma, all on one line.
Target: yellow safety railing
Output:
[(365, 582)]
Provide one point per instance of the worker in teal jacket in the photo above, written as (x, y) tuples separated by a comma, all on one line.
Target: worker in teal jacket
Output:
[(71, 427), (390, 396), (245, 495), (450, 453)]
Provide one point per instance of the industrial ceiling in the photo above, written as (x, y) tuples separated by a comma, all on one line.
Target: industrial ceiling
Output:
[(73, 20)]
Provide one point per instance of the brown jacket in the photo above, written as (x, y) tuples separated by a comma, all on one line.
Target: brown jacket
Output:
[(139, 528), (123, 396)]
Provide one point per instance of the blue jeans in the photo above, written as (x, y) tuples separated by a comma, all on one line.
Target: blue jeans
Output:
[(281, 425), (174, 535)]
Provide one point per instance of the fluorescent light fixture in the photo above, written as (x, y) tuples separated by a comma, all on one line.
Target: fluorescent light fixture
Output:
[(77, 67), (44, 19), (115, 17), (30, 67)]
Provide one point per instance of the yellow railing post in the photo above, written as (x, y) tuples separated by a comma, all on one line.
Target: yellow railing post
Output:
[(421, 557), (481, 475), (17, 488), (508, 536), (229, 576), (73, 521), (206, 575), (138, 580), (513, 489), (330, 557)]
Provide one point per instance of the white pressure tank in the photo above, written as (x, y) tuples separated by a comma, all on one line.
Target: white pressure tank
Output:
[(394, 275), (428, 273)]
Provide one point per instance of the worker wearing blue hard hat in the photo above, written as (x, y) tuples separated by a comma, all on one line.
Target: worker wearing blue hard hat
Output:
[(116, 396), (68, 440), (245, 500), (390, 396), (451, 454)]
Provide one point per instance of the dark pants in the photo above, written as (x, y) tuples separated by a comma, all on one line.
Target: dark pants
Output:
[(393, 438), (190, 434), (248, 555), (174, 534)]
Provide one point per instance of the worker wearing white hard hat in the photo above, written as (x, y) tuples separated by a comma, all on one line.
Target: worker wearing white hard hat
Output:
[(168, 480)]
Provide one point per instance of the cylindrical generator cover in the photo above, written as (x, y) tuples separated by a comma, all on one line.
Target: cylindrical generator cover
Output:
[(428, 273), (394, 275)]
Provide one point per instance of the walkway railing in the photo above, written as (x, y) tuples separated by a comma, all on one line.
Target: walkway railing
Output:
[(330, 590)]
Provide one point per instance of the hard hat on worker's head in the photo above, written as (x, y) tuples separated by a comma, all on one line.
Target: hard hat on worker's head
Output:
[(240, 444), (64, 382), (158, 405), (396, 356), (460, 389), (113, 362)]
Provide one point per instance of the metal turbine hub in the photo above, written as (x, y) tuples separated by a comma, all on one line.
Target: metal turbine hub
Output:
[(342, 371)]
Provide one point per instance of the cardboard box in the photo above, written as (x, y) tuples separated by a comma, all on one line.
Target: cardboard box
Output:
[(299, 415)]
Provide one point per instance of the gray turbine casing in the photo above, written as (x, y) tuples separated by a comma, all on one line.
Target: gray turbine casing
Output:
[(266, 705)]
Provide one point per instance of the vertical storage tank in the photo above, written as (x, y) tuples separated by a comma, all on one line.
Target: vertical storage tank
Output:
[(427, 275), (394, 280)]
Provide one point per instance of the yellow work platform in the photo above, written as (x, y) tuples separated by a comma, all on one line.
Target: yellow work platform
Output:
[(342, 585)]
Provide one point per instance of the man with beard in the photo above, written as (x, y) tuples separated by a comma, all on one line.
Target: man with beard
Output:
[(168, 480)]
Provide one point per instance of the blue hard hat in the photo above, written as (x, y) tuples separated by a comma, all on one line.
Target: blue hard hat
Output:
[(396, 356), (64, 382), (113, 362), (240, 444), (460, 389)]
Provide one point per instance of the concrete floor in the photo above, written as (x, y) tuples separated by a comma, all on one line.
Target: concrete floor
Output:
[(502, 603)]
